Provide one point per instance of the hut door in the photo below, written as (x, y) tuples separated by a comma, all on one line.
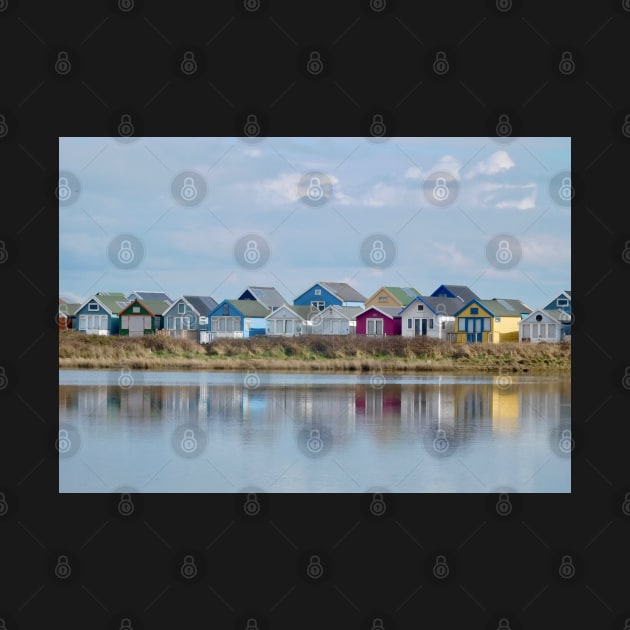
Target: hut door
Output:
[(424, 326), (416, 324)]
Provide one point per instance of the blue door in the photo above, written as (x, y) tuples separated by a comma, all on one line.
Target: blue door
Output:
[(474, 327)]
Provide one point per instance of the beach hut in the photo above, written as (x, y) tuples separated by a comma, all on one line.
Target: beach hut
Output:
[(430, 317), (289, 321), (489, 321), (188, 315), (237, 319), (99, 314), (543, 325), (269, 297), (335, 320), (142, 317), (379, 322), (323, 294)]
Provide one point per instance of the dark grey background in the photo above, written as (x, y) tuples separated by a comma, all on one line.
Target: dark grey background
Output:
[(374, 61)]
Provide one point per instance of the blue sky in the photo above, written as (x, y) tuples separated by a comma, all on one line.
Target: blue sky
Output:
[(499, 186)]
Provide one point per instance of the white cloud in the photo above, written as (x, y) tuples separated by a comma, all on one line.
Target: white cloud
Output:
[(498, 162), (518, 196), (252, 152), (449, 256), (446, 163)]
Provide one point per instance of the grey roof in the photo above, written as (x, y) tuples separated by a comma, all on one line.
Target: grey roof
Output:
[(568, 293), (343, 291), (349, 312), (460, 290), (513, 305), (505, 308), (557, 314), (446, 305), (203, 304), (151, 295), (267, 296)]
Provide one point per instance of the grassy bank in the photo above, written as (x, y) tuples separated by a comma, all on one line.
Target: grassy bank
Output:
[(312, 353)]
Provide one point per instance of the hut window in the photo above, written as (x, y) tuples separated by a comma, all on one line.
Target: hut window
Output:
[(382, 298), (92, 306), (539, 318), (318, 291), (551, 330), (420, 307), (135, 309), (562, 302), (181, 308), (431, 323), (486, 324), (461, 324), (226, 309), (124, 322), (474, 310), (318, 305), (409, 323), (497, 319)]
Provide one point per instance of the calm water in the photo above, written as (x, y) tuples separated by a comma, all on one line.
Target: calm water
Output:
[(237, 432)]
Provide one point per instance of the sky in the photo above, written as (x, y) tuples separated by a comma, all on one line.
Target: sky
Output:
[(211, 216)]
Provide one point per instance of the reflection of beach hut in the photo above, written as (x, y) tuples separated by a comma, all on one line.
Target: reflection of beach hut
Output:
[(188, 315), (142, 317), (336, 320), (430, 317), (543, 325), (379, 322), (489, 321), (289, 321), (99, 314)]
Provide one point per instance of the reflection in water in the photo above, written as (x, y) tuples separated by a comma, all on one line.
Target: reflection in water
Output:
[(359, 418)]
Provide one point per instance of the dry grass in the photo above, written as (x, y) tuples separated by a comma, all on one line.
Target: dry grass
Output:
[(313, 353)]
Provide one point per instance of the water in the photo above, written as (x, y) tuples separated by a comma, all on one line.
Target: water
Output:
[(235, 432)]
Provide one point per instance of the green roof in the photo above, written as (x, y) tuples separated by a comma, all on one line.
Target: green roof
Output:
[(505, 308), (115, 302), (403, 294), (68, 308), (157, 307), (250, 308)]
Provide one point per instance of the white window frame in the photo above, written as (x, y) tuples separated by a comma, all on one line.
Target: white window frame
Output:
[(375, 321), (318, 304), (317, 292), (92, 306), (181, 309)]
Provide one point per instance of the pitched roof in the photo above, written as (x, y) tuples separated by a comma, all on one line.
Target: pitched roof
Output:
[(554, 313), (267, 296), (568, 293), (349, 312), (68, 309), (504, 308), (157, 307), (303, 312), (151, 295), (457, 290), (114, 302), (250, 308), (343, 291), (444, 305), (403, 294), (388, 311), (203, 304)]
